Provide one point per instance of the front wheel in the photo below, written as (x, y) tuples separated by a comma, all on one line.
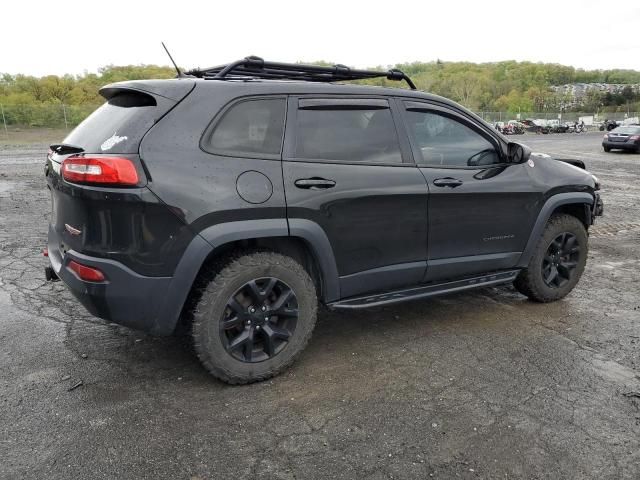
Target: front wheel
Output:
[(557, 262), (254, 317), (607, 149)]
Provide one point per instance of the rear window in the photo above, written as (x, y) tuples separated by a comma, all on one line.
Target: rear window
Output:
[(118, 125), (627, 130)]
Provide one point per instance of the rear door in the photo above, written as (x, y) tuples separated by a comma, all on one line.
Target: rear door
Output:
[(480, 207), (346, 170)]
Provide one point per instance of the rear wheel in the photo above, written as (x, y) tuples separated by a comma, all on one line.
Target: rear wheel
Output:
[(557, 262), (254, 317)]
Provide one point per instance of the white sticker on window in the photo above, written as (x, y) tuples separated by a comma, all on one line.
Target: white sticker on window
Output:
[(109, 143)]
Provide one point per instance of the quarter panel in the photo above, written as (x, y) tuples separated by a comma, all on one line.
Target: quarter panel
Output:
[(200, 187)]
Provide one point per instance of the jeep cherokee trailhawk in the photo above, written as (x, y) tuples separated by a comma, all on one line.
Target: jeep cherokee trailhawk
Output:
[(233, 199)]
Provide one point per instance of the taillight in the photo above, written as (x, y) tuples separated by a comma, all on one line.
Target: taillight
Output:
[(102, 170), (89, 274), (633, 138)]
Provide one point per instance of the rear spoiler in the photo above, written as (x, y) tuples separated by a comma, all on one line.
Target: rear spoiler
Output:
[(575, 163), (174, 90)]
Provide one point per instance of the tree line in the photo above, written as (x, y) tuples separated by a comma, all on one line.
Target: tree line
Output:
[(501, 86)]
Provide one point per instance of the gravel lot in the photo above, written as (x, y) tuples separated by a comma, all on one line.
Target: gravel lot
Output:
[(477, 385)]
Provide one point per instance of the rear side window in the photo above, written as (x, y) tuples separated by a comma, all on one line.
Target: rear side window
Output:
[(249, 128), (347, 133), (118, 125)]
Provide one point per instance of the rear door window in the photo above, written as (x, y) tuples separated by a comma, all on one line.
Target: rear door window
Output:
[(119, 124), (249, 128), (357, 130)]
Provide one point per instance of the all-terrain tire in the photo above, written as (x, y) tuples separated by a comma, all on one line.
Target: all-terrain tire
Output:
[(531, 281), (212, 306)]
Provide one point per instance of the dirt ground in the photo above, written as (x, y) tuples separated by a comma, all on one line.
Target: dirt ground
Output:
[(478, 385)]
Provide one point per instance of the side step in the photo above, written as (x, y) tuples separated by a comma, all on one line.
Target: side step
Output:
[(425, 291)]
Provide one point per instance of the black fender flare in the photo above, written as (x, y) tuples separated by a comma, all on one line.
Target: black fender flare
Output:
[(315, 237), (547, 209), (217, 235)]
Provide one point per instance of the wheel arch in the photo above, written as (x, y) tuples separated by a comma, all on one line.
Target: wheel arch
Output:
[(577, 204), (306, 242)]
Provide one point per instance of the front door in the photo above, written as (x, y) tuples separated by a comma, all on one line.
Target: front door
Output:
[(345, 170), (480, 207)]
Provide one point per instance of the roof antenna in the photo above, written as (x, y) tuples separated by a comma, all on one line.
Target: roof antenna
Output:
[(180, 74)]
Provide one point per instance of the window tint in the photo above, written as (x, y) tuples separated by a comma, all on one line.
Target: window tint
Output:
[(626, 130), (350, 135), (441, 140), (252, 126), (118, 125)]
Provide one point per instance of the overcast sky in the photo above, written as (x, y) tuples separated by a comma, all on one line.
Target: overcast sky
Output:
[(68, 36)]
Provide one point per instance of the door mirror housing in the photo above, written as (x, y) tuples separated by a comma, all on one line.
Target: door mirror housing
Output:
[(518, 153)]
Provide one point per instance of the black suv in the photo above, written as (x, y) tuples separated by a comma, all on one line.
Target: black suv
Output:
[(232, 199)]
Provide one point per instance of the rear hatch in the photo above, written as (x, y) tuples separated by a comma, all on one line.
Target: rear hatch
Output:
[(623, 134), (100, 205)]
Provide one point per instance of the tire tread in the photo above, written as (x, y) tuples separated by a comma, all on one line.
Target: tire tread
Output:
[(216, 279)]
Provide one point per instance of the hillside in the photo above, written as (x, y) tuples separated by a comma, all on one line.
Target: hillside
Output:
[(502, 86)]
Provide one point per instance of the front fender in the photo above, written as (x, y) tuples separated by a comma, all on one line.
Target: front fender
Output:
[(543, 217)]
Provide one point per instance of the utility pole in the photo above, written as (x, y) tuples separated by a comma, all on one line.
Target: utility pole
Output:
[(64, 112)]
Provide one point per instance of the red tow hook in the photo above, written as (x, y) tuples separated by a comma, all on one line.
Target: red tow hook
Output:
[(45, 252)]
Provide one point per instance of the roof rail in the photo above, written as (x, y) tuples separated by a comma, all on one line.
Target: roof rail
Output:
[(256, 67)]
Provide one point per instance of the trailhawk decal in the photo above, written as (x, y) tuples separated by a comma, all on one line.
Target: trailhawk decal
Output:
[(111, 142), (499, 237)]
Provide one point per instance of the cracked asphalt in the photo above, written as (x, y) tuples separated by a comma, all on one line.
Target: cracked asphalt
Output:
[(478, 385)]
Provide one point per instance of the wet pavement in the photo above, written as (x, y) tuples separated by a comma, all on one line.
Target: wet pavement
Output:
[(478, 385)]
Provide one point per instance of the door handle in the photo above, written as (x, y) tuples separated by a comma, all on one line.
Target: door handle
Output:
[(314, 183), (447, 182)]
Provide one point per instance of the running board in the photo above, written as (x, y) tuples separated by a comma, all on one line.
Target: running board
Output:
[(425, 291)]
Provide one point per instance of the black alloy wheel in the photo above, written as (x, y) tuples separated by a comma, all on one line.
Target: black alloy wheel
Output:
[(259, 319), (560, 260)]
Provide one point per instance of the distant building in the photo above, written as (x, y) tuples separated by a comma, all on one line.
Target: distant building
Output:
[(579, 90)]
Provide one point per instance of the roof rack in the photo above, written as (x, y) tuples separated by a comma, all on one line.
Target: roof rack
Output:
[(256, 67)]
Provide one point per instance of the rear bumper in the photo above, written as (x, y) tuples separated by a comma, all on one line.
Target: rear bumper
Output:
[(620, 145), (126, 297)]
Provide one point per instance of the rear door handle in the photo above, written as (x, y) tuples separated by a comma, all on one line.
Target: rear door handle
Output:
[(314, 183), (447, 182)]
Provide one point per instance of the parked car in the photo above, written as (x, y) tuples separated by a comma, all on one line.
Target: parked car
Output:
[(534, 127), (622, 138), (232, 202), (608, 125), (561, 128)]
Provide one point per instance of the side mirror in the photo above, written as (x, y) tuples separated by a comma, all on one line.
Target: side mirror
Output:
[(518, 153)]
